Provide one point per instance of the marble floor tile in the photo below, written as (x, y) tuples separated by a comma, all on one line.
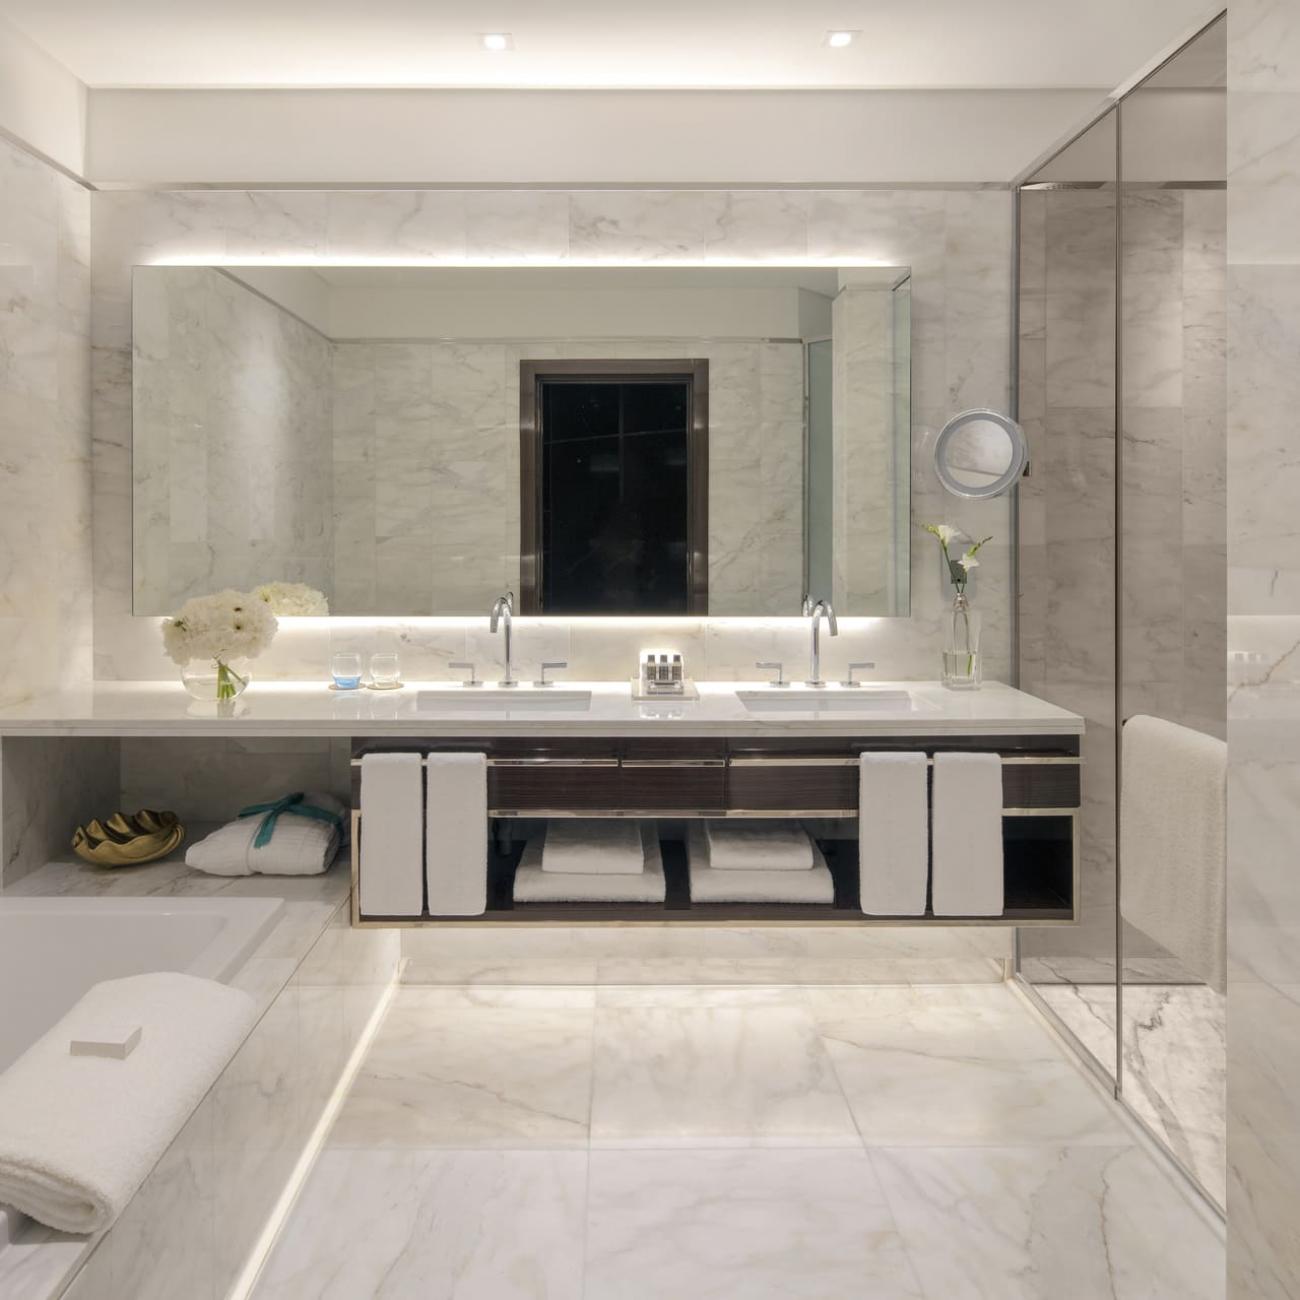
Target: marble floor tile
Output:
[(947, 1066), (473, 1225), (1175, 1061), (732, 1074), (1049, 1223), (748, 1225), (440, 1075)]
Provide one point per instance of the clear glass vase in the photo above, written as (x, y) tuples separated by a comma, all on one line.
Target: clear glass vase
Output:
[(961, 651), (214, 681)]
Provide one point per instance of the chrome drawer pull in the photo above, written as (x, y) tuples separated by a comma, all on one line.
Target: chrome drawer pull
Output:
[(674, 762), (552, 762), (794, 761)]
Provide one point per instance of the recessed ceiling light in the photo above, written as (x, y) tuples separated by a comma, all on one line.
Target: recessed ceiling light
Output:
[(497, 42), (838, 40)]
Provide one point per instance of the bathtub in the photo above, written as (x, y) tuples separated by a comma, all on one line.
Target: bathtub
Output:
[(52, 950)]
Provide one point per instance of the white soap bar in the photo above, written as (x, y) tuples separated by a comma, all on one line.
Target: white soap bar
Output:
[(116, 1041)]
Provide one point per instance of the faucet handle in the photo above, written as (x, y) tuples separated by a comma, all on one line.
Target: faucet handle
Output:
[(772, 665), (462, 666), (860, 663), (550, 663)]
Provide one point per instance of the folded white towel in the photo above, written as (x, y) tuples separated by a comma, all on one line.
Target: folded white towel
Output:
[(598, 847), (966, 835), (79, 1134), (533, 885), (1173, 850), (299, 846), (893, 834), (771, 845), (456, 851), (392, 835), (709, 885)]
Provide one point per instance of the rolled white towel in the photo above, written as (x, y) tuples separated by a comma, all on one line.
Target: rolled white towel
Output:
[(79, 1134), (299, 845), (597, 847), (766, 845)]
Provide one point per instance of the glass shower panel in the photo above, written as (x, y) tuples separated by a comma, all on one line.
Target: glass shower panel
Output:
[(1067, 405), (1172, 568)]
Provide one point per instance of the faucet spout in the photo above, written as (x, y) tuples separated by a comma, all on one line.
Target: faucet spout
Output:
[(816, 612), (503, 615)]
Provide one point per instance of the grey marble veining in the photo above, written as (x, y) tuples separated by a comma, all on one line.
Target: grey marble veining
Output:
[(45, 434), (722, 1160)]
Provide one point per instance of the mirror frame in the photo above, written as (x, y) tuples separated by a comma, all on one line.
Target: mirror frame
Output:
[(1012, 475)]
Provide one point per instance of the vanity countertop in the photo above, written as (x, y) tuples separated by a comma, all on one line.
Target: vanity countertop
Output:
[(312, 709)]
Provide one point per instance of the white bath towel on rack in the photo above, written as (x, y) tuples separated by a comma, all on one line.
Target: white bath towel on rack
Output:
[(593, 846), (966, 835), (533, 885), (79, 1134), (1173, 842), (767, 844), (893, 833), (392, 835), (709, 885), (456, 851)]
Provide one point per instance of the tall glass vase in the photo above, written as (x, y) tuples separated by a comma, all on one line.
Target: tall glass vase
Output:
[(961, 651)]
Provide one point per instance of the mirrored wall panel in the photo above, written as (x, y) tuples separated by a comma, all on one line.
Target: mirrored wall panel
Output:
[(613, 440)]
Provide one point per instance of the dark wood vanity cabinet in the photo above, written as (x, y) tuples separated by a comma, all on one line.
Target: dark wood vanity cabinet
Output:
[(675, 779)]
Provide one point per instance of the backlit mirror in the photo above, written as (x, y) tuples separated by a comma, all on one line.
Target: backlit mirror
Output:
[(415, 441), (980, 453)]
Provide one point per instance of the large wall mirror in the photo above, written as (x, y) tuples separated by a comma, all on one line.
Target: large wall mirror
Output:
[(414, 441)]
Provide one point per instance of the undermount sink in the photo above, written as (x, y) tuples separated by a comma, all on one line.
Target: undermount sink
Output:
[(482, 699), (830, 699)]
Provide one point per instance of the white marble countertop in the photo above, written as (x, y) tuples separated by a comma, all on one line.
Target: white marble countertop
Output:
[(312, 709)]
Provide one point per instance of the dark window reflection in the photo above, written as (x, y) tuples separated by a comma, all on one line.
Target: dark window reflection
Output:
[(615, 495)]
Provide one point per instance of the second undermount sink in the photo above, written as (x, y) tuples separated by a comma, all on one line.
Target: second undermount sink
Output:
[(489, 699), (829, 699)]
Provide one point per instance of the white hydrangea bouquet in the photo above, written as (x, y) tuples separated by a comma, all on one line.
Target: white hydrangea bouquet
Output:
[(209, 634), (293, 599)]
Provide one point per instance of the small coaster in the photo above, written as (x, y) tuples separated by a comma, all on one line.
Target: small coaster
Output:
[(384, 686)]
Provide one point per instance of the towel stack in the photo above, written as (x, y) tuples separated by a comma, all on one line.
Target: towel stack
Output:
[(576, 861), (756, 862)]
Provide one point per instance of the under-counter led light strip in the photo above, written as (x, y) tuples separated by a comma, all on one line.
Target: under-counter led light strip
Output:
[(516, 260)]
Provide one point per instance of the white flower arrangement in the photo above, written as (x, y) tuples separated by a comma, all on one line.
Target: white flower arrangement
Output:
[(293, 599), (959, 570), (218, 628)]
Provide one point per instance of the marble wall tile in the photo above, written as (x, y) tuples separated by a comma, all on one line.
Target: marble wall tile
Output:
[(45, 574), (955, 243), (49, 786)]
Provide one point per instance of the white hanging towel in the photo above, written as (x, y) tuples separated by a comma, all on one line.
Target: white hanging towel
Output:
[(966, 835), (392, 835), (457, 831), (1173, 842), (79, 1134), (893, 834)]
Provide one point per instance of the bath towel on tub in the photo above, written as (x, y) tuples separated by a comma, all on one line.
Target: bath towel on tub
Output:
[(1173, 832), (79, 1134)]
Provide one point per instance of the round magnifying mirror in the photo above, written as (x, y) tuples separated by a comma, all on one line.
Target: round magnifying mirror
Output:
[(980, 453)]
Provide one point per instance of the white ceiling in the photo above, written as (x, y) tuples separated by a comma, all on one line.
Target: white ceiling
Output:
[(1004, 44)]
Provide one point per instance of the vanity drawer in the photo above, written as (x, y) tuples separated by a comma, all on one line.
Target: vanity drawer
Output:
[(674, 776), (1042, 783), (557, 782), (823, 784)]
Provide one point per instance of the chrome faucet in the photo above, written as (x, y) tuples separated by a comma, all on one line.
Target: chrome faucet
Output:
[(817, 611), (504, 608)]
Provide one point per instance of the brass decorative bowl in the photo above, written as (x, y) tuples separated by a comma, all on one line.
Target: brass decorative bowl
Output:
[(122, 841)]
